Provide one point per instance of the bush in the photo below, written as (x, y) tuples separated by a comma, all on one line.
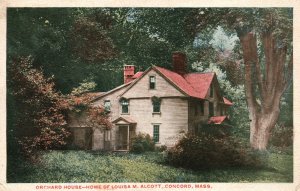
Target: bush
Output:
[(141, 143), (36, 111), (281, 150), (161, 148), (209, 151), (282, 136), (137, 148)]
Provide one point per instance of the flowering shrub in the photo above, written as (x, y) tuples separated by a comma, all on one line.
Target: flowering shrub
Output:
[(38, 110), (98, 117), (79, 102)]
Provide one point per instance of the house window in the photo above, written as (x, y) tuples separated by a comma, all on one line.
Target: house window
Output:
[(156, 104), (152, 81), (211, 109), (156, 107), (156, 133), (211, 92), (124, 104), (107, 105)]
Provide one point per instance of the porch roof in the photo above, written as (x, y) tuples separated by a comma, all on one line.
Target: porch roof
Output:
[(124, 120), (217, 119)]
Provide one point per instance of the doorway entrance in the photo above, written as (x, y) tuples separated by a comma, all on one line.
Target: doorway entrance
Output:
[(123, 137), (126, 132)]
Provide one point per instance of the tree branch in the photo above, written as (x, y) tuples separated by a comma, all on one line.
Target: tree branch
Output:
[(258, 73), (268, 51), (248, 41)]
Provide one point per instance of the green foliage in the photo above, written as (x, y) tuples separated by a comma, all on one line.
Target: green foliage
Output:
[(161, 148), (41, 33), (141, 143), (81, 166), (286, 108), (238, 113), (244, 20), (84, 87), (78, 102), (89, 38), (282, 136), (173, 25), (281, 150), (73, 44), (276, 23), (217, 130), (210, 151), (83, 43), (63, 44)]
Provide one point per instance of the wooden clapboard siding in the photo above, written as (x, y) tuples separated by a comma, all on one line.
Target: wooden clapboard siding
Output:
[(162, 89), (113, 97), (172, 119)]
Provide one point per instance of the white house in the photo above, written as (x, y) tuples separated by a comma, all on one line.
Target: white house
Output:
[(158, 102)]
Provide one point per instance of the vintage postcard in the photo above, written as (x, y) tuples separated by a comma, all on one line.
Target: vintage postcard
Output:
[(149, 96)]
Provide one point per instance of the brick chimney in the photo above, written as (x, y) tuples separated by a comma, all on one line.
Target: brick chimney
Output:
[(179, 61), (128, 73)]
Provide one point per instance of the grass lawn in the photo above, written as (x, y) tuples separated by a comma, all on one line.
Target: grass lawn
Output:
[(81, 166)]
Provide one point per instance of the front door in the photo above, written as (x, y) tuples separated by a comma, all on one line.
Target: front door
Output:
[(123, 137)]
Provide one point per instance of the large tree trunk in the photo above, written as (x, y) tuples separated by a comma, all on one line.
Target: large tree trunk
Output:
[(263, 88), (260, 128)]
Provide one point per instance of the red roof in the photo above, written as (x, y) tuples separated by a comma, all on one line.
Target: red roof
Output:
[(200, 82), (216, 119), (194, 84), (137, 75), (227, 102)]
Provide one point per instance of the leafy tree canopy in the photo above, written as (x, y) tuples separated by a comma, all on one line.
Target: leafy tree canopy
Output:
[(86, 48)]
